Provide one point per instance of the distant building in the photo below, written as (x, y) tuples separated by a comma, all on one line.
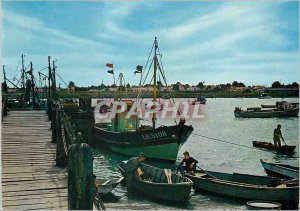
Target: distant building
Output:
[(258, 87), (178, 87), (238, 89), (72, 88), (112, 89), (193, 89)]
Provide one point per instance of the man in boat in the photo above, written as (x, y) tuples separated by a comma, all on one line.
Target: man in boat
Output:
[(278, 136), (132, 170), (190, 163)]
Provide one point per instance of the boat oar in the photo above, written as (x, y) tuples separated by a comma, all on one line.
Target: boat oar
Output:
[(284, 142), (206, 172)]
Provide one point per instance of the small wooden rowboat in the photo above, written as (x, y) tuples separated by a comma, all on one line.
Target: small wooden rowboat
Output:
[(244, 186), (160, 184), (284, 149), (107, 185), (280, 170)]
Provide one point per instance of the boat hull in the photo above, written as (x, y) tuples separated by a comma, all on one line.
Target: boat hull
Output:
[(108, 186), (163, 151), (243, 190), (285, 149), (280, 170), (162, 143), (155, 184), (268, 113)]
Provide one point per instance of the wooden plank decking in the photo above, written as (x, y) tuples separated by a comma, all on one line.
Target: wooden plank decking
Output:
[(30, 180)]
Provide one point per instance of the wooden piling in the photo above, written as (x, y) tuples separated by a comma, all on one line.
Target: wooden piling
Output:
[(80, 177)]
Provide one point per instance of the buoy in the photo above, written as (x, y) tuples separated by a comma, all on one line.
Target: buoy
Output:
[(263, 205)]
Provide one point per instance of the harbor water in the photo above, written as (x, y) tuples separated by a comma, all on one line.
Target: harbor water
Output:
[(218, 122)]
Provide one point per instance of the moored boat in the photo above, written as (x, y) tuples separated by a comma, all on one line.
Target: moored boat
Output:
[(200, 99), (281, 109), (165, 96), (127, 136), (264, 96), (107, 185), (244, 186), (154, 183), (284, 149), (280, 170)]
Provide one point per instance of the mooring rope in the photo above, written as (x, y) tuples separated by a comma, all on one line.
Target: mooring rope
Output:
[(215, 139)]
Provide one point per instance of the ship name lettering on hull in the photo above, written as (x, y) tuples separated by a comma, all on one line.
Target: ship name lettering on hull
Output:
[(155, 135)]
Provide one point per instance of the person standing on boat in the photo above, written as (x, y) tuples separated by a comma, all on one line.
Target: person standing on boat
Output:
[(131, 170), (278, 136), (190, 163)]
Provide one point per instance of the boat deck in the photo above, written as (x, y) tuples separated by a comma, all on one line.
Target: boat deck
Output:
[(30, 180)]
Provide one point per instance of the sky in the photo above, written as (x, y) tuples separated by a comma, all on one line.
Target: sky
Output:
[(211, 42)]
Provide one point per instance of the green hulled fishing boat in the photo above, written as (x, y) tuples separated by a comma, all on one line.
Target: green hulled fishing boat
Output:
[(127, 136)]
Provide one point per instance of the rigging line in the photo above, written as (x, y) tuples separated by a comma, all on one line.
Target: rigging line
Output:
[(147, 73), (61, 78), (142, 74), (17, 68), (148, 58), (140, 91), (131, 78), (171, 96), (27, 67), (215, 139), (43, 69)]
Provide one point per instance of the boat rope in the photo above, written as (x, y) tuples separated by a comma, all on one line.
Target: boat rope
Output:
[(15, 73), (228, 142), (162, 72), (61, 78), (219, 140)]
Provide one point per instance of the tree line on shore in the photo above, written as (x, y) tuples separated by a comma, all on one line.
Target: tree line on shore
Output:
[(200, 86)]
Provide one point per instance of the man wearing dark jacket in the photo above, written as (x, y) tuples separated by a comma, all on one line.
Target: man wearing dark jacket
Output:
[(131, 168), (190, 163)]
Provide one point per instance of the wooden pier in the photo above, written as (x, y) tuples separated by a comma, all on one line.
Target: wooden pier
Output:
[(30, 179)]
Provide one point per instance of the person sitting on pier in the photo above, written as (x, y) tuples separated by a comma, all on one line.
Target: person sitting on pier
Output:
[(277, 136), (132, 170), (190, 163)]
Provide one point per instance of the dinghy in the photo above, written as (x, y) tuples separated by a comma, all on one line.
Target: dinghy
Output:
[(160, 184), (244, 186), (280, 170)]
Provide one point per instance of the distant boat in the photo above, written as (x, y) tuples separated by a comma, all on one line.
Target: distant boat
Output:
[(280, 170), (244, 186), (284, 149), (154, 183), (165, 96), (281, 109), (200, 99), (107, 185), (264, 96)]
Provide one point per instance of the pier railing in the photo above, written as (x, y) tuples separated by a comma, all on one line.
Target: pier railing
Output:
[(73, 152)]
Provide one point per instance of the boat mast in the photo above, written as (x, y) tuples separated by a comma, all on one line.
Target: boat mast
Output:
[(23, 72), (49, 77), (54, 94), (154, 80), (4, 74), (4, 87), (32, 85)]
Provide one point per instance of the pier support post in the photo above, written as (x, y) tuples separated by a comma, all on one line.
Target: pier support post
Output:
[(61, 158), (80, 177), (54, 122)]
